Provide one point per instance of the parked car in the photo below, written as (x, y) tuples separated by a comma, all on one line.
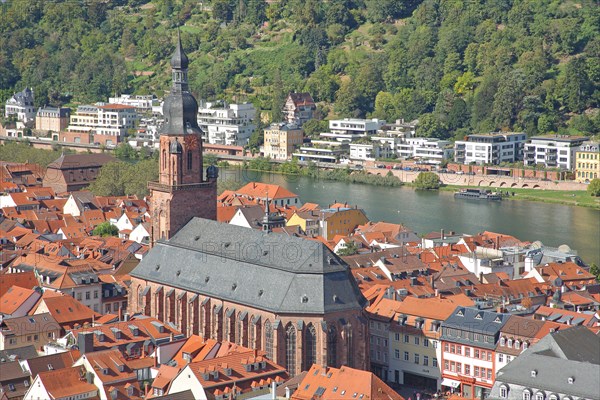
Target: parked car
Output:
[(358, 167), (407, 168), (397, 167), (380, 166), (459, 173), (471, 173)]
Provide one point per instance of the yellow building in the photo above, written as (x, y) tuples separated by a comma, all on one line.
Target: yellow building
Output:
[(338, 219), (281, 139), (587, 162)]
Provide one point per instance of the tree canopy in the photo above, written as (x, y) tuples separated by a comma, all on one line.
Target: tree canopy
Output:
[(531, 65)]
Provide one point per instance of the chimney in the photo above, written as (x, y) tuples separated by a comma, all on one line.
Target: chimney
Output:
[(497, 242), (89, 377), (481, 277), (273, 389), (85, 342), (442, 234), (287, 392), (121, 314)]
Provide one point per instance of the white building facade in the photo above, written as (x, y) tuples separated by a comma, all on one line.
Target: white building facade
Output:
[(20, 106), (490, 148), (227, 124), (553, 151)]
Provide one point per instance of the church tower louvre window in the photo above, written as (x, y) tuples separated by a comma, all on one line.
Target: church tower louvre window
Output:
[(183, 189)]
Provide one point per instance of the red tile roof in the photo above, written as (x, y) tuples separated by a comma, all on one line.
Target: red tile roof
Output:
[(346, 382)]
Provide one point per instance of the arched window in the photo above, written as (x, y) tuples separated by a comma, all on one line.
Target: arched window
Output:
[(310, 346), (517, 344), (189, 160), (290, 349), (503, 391), (332, 347), (502, 341), (510, 341), (251, 328), (526, 394), (269, 340)]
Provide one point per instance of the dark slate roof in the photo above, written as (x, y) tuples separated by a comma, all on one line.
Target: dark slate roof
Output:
[(20, 353), (475, 320), (277, 273), (179, 60), (573, 352)]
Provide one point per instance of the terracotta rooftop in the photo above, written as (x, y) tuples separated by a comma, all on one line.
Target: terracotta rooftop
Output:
[(335, 384)]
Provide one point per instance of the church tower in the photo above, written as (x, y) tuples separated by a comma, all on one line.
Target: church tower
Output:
[(181, 192)]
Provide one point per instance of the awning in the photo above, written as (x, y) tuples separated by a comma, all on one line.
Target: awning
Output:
[(450, 383)]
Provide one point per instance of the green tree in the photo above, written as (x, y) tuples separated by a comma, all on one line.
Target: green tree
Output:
[(106, 229), (430, 126), (594, 270), (110, 180), (427, 181), (349, 249), (124, 151), (312, 128), (594, 187)]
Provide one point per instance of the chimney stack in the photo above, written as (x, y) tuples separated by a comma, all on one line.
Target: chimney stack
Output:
[(85, 342)]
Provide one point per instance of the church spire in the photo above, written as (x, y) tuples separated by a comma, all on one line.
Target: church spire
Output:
[(180, 107)]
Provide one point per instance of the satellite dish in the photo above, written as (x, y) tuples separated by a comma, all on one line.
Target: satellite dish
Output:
[(563, 248), (537, 245)]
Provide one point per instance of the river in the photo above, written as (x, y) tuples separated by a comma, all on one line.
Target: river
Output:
[(426, 211)]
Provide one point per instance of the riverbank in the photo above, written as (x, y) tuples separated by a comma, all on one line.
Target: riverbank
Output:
[(578, 198)]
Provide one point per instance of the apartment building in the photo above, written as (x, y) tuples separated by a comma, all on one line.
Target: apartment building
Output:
[(228, 124), (371, 151), (141, 103), (101, 123), (281, 139), (553, 151), (355, 127), (427, 150), (490, 148), (587, 162), (469, 338)]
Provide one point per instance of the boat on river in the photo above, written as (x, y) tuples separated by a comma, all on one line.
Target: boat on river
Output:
[(477, 194)]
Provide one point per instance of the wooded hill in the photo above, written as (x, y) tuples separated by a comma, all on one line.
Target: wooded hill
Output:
[(458, 66)]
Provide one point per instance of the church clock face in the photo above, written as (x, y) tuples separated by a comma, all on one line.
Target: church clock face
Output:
[(191, 142)]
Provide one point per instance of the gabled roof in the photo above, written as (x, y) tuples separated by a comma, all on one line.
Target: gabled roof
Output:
[(302, 99), (43, 322), (66, 382), (260, 190), (52, 362), (14, 298), (66, 310), (21, 279)]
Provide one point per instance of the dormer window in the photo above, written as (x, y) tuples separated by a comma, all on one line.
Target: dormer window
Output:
[(502, 341), (533, 373), (510, 343), (504, 391), (571, 380), (517, 344)]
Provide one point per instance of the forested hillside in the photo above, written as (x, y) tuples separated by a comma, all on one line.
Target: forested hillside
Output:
[(458, 66)]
